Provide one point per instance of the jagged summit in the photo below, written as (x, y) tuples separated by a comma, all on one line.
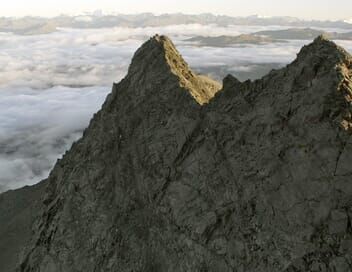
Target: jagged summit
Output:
[(318, 65), (324, 61), (320, 38), (325, 49), (159, 54), (259, 179)]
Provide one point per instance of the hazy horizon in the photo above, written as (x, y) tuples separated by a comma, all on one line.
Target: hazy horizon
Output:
[(323, 10)]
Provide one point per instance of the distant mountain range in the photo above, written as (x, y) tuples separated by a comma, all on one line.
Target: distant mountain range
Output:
[(303, 34), (39, 25), (270, 36), (224, 40)]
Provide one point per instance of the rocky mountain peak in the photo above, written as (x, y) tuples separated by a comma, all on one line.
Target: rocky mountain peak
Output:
[(326, 50), (257, 180), (325, 61), (321, 38), (159, 55)]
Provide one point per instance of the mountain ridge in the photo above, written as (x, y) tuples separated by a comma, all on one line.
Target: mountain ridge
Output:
[(267, 37), (256, 179), (41, 25)]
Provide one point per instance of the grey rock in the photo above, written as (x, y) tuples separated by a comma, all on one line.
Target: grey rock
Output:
[(256, 179), (18, 211)]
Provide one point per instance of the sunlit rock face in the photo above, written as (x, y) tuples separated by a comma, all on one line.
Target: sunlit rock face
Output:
[(176, 173)]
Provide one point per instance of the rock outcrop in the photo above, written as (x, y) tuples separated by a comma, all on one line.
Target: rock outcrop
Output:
[(257, 179)]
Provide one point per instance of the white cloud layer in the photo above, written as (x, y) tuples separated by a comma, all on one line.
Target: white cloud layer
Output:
[(50, 85), (36, 126)]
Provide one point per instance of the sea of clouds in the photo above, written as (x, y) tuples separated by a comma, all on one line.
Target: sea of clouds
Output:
[(50, 85)]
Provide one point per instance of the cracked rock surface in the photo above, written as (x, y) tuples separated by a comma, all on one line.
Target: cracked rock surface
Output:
[(256, 179)]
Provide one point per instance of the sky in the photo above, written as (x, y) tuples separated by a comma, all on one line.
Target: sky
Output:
[(312, 9)]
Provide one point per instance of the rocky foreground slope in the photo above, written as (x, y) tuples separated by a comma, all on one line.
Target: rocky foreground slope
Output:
[(258, 179)]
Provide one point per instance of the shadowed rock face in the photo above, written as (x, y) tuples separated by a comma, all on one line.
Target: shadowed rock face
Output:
[(259, 179), (18, 210)]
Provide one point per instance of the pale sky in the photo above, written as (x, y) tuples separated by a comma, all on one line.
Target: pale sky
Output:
[(308, 9)]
